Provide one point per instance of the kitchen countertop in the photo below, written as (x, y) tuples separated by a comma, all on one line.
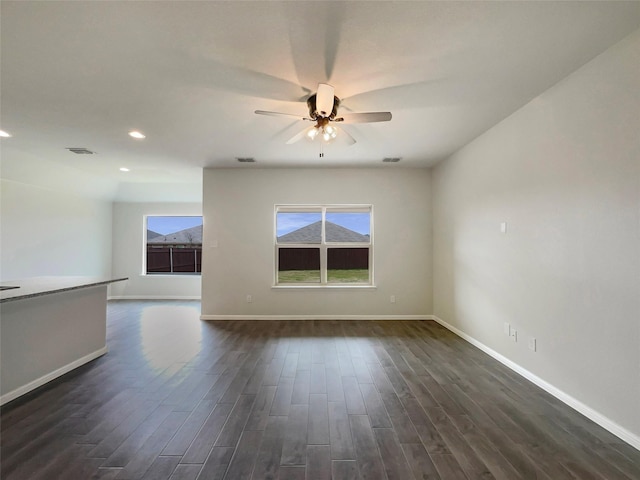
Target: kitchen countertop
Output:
[(39, 286)]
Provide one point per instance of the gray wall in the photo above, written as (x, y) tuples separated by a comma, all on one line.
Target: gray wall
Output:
[(47, 232), (564, 174), (238, 208)]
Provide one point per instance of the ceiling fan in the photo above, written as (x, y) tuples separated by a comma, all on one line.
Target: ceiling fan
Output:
[(323, 109)]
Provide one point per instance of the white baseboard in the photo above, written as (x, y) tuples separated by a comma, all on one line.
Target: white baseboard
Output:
[(606, 423), (154, 297), (12, 395), (316, 317)]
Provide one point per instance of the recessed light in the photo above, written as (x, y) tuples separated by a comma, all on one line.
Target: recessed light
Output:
[(4, 134), (136, 134), (124, 169)]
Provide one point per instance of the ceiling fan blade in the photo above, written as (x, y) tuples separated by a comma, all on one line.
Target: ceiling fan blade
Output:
[(349, 140), (298, 136), (368, 117), (324, 99), (280, 114)]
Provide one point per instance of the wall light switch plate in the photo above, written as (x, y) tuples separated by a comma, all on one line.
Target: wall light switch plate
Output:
[(393, 299), (503, 227), (506, 328), (514, 335), (532, 344)]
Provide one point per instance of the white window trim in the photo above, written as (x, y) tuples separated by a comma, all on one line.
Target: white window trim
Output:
[(323, 246)]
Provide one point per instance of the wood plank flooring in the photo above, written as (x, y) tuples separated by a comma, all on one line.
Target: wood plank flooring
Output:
[(177, 398)]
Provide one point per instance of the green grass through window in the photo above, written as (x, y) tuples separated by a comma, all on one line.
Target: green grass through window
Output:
[(333, 276), (299, 276)]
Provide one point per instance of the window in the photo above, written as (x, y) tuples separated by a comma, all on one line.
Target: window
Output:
[(323, 245), (173, 245)]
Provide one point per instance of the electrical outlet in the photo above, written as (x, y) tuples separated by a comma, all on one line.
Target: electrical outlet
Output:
[(514, 335), (506, 328), (393, 299), (532, 344), (249, 299)]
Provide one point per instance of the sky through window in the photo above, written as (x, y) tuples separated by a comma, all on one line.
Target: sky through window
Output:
[(165, 225), (288, 221)]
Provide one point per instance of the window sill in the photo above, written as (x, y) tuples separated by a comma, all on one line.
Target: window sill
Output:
[(324, 287), (169, 275)]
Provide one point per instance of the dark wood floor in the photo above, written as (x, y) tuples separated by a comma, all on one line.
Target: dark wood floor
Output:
[(177, 398)]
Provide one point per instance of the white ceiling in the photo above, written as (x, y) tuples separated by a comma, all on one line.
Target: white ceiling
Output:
[(190, 75)]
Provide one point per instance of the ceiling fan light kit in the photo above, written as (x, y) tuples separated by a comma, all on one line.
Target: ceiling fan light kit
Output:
[(328, 132), (323, 109)]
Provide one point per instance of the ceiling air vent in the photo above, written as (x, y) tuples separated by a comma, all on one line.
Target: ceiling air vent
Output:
[(246, 159), (391, 159), (80, 150)]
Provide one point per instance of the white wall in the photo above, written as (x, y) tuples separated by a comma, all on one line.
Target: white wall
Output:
[(239, 216), (129, 248), (564, 173), (46, 232)]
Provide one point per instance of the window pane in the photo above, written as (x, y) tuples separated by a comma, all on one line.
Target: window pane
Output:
[(299, 227), (298, 265), (348, 265), (348, 227), (174, 244)]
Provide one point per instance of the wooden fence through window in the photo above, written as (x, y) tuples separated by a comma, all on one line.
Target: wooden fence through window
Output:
[(174, 259), (309, 258)]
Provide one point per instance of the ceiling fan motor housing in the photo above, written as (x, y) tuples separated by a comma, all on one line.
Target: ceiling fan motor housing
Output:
[(313, 111)]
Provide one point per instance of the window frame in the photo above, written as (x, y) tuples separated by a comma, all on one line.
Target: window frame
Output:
[(324, 246), (145, 247)]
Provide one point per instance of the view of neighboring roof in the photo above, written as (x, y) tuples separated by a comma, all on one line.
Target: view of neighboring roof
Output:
[(151, 234), (189, 236), (313, 233)]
